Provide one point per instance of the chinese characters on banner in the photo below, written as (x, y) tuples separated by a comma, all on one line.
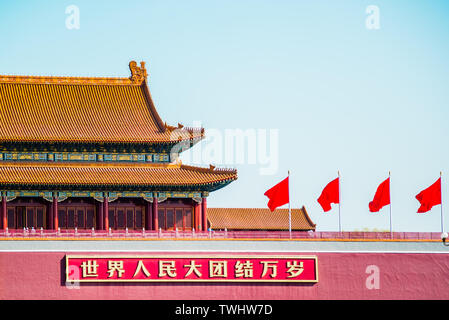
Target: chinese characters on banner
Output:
[(199, 268)]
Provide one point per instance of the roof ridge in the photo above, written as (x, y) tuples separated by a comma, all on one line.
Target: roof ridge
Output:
[(138, 76), (68, 80)]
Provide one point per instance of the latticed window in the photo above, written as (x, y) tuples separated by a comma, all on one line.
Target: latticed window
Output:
[(27, 217), (172, 218), (81, 217), (121, 217)]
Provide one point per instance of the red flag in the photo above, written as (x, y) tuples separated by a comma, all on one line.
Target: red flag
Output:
[(278, 195), (330, 194), (382, 197), (430, 197)]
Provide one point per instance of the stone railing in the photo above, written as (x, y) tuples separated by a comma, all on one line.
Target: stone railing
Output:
[(74, 234)]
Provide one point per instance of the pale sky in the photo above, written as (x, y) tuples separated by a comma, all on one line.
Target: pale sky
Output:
[(341, 96)]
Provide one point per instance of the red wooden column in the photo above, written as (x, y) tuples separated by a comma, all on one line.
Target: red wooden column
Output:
[(149, 216), (55, 213), (155, 214), (4, 213), (197, 215), (106, 213), (204, 213)]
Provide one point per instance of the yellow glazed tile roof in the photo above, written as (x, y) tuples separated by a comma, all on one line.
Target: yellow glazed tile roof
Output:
[(93, 174), (69, 109), (258, 219)]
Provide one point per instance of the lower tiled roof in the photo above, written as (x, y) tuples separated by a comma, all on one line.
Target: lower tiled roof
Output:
[(93, 174), (258, 219)]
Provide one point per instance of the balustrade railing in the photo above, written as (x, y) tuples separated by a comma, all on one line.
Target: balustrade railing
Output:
[(32, 233)]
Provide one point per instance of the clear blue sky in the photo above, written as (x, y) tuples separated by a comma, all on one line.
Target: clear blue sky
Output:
[(343, 97)]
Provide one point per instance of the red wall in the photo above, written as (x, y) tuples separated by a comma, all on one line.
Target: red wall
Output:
[(31, 275)]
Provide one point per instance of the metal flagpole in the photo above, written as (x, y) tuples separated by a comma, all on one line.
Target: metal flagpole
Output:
[(289, 208), (391, 230), (339, 203), (441, 194)]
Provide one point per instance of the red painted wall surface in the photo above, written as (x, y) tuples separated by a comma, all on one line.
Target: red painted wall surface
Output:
[(32, 275)]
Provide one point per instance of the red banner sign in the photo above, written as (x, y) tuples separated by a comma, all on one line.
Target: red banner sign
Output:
[(191, 268)]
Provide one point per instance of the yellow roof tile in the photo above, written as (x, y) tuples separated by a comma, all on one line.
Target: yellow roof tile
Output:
[(99, 174), (69, 109), (258, 219)]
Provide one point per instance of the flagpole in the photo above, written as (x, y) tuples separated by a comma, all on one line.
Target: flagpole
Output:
[(289, 208), (339, 203), (391, 230), (441, 194)]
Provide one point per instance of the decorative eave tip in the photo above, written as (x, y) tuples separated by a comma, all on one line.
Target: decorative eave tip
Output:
[(138, 74), (182, 130)]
